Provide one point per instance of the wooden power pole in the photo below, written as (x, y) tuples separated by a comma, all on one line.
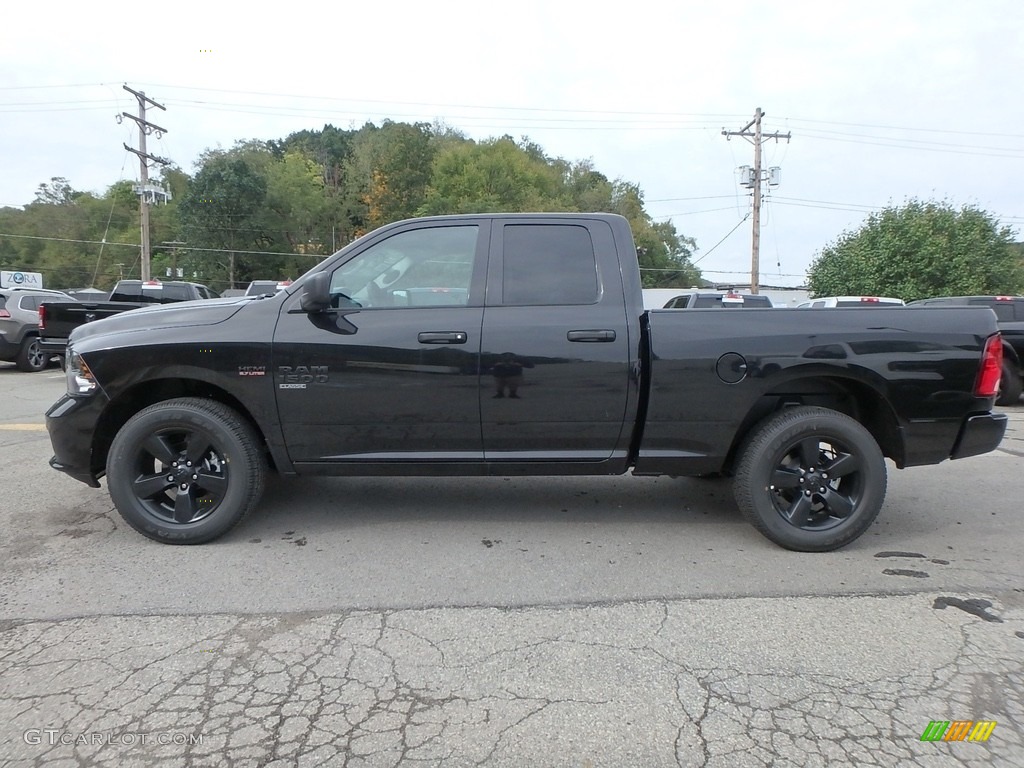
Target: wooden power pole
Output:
[(756, 177), (144, 190)]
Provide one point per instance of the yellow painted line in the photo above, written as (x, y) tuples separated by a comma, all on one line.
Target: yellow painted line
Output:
[(23, 427)]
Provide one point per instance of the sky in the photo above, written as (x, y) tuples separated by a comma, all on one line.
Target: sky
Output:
[(885, 101)]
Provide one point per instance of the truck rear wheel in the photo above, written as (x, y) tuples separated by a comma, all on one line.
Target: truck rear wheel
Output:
[(185, 471), (810, 479), (1009, 385)]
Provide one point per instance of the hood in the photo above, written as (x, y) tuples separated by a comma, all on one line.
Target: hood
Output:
[(179, 315)]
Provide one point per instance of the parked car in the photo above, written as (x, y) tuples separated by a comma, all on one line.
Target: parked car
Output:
[(842, 302), (515, 344), (1010, 320), (699, 300), (19, 326)]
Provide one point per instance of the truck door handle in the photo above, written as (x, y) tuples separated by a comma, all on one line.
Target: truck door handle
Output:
[(443, 337), (590, 335)]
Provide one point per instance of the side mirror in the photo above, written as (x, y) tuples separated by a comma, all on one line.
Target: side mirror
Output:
[(316, 293)]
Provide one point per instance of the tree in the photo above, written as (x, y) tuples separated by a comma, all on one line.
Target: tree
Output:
[(919, 250), (389, 170), (57, 191), (221, 209), (492, 176)]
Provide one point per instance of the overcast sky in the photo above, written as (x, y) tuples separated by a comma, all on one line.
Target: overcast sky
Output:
[(885, 101)]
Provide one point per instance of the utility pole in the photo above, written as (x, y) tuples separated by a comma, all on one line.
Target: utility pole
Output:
[(754, 180), (144, 189), (174, 244)]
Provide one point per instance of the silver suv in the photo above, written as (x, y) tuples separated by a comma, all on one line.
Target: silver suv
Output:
[(19, 326)]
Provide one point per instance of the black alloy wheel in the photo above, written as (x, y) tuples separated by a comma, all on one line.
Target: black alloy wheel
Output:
[(810, 479), (185, 471)]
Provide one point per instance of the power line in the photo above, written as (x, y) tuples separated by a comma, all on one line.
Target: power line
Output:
[(190, 248), (710, 118), (708, 253)]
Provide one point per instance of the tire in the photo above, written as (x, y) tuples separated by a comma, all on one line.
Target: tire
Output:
[(185, 471), (1009, 385), (30, 357), (829, 452)]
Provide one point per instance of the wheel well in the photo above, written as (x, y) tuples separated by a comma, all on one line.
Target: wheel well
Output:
[(857, 400), (147, 393)]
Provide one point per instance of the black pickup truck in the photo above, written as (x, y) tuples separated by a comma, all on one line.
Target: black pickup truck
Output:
[(57, 319), (516, 344)]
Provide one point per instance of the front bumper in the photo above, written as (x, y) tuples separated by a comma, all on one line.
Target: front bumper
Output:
[(979, 434), (72, 424)]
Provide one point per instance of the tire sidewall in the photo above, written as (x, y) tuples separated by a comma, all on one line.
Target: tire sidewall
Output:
[(756, 471), (121, 463)]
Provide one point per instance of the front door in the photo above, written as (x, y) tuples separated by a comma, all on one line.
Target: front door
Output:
[(390, 372)]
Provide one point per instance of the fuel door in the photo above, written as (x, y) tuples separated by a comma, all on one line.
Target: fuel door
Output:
[(731, 368)]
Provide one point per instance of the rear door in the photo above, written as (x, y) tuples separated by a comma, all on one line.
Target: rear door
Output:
[(555, 350)]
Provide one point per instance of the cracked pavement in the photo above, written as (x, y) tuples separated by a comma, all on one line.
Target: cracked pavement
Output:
[(658, 683), (571, 622)]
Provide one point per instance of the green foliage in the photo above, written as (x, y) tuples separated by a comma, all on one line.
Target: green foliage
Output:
[(221, 210), (391, 168), (491, 176), (56, 192), (919, 250)]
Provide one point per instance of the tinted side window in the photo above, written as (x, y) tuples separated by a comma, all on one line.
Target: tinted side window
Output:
[(175, 293), (30, 303), (131, 291), (546, 264), (703, 302)]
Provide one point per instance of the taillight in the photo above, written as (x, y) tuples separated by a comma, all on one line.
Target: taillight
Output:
[(42, 317), (4, 314), (991, 369)]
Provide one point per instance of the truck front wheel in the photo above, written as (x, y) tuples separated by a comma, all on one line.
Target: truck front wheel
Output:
[(810, 479), (185, 471)]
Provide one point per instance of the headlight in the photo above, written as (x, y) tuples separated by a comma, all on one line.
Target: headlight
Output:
[(79, 377)]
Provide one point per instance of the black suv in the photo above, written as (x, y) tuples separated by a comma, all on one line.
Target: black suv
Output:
[(19, 326), (1010, 317)]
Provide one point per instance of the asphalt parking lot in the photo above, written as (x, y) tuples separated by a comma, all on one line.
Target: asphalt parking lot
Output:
[(553, 621)]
